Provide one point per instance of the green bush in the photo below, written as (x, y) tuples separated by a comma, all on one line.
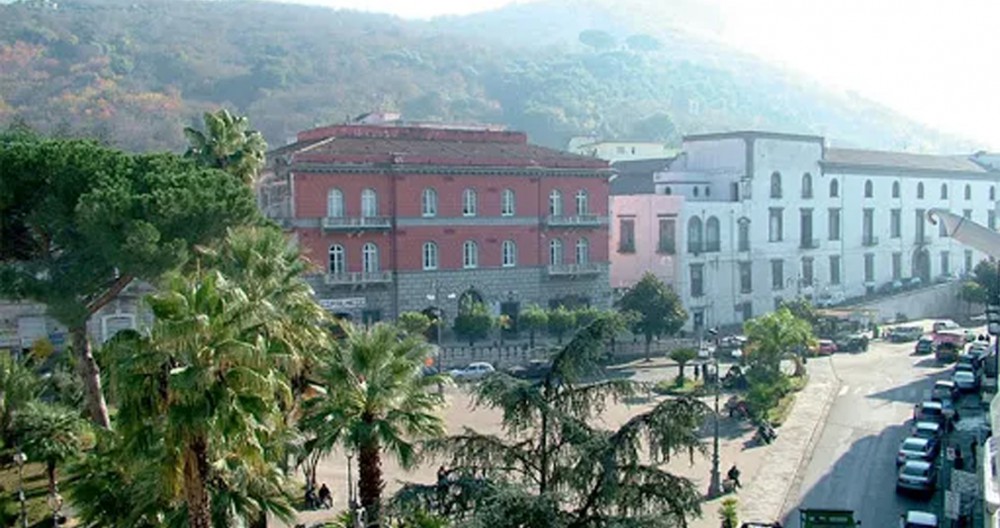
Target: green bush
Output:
[(474, 324)]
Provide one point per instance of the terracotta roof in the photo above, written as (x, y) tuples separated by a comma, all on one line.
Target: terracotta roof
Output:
[(421, 146), (899, 160)]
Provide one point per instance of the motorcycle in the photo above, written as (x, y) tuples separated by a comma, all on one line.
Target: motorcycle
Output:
[(765, 434)]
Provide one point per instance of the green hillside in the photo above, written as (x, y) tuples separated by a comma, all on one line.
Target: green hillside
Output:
[(135, 72)]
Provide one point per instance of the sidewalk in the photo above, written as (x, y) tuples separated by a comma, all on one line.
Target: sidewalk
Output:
[(765, 496)]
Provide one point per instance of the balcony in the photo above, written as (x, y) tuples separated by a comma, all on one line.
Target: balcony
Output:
[(587, 220), (809, 243), (869, 241), (357, 278), (574, 270), (356, 223)]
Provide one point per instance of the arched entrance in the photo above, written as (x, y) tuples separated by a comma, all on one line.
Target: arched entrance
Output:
[(468, 299), (922, 265)]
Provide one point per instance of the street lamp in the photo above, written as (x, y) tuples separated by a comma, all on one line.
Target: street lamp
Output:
[(20, 458), (715, 482), (433, 297)]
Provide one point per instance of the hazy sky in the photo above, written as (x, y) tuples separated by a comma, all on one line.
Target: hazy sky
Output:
[(935, 60)]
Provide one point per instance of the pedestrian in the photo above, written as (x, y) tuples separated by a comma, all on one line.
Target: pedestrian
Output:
[(734, 475), (325, 497), (696, 372)]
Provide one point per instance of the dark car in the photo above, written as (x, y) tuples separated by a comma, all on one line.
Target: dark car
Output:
[(924, 346), (902, 334), (852, 343), (535, 369)]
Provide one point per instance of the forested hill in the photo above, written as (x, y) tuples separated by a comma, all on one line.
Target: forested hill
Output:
[(136, 72)]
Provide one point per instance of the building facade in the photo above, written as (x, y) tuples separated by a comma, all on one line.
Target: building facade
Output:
[(763, 217), (402, 218)]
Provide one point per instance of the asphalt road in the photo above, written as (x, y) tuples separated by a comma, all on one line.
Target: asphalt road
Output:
[(853, 465)]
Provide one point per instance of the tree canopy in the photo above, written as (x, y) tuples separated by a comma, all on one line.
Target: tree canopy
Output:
[(657, 309)]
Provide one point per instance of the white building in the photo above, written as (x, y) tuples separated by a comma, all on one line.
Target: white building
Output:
[(767, 217), (614, 151)]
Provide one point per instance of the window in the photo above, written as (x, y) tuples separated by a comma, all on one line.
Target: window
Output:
[(508, 254), (968, 261), (582, 202), (429, 203), (667, 191), (746, 277), (626, 235), (745, 309), (944, 191), (582, 251), (993, 193), (369, 258), (991, 219), (555, 252), (337, 260), (369, 203), (470, 254), (668, 236), (834, 189), (869, 267), (708, 191), (430, 256), (775, 228), (806, 229), (869, 191), (868, 226), (777, 274), (920, 190), (743, 234), (470, 203), (807, 186), (694, 235), (697, 280), (775, 184), (895, 189), (968, 191), (807, 271), (555, 203), (835, 270), (334, 203), (919, 232), (712, 236), (945, 263), (507, 203), (833, 225), (897, 266), (895, 223), (967, 213), (695, 191)]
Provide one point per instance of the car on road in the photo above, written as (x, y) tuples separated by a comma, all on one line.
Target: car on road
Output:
[(928, 430), (535, 369), (914, 448), (852, 343), (824, 347), (945, 351), (474, 371), (924, 346), (965, 367), (946, 324), (916, 476), (944, 390), (903, 334), (966, 381), (934, 411), (968, 359), (978, 350), (918, 519)]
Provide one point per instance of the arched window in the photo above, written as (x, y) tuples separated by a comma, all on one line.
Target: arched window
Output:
[(507, 203), (775, 184), (369, 203), (869, 189), (920, 190), (555, 252), (430, 256), (470, 203), (555, 203), (834, 188), (334, 203), (743, 234), (993, 193), (668, 191), (944, 191), (337, 263), (694, 235), (508, 254), (968, 191), (369, 258), (470, 255), (807, 185), (429, 202), (582, 202), (712, 238), (582, 251), (895, 189), (708, 191), (695, 191)]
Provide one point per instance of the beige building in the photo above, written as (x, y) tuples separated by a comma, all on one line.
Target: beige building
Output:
[(614, 151)]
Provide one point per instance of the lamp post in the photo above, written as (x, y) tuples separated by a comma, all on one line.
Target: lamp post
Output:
[(433, 297), (20, 458), (715, 482)]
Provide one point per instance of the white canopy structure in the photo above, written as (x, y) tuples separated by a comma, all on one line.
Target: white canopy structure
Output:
[(966, 231)]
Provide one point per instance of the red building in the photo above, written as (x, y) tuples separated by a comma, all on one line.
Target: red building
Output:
[(401, 217)]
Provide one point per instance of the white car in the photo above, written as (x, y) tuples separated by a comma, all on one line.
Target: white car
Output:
[(965, 381), (918, 519), (474, 371)]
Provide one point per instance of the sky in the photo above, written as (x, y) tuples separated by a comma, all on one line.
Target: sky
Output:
[(937, 61)]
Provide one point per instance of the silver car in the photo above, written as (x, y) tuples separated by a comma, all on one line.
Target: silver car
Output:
[(914, 448), (474, 371), (916, 476)]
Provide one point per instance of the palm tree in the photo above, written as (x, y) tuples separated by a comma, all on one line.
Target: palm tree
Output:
[(19, 385), (377, 400), (228, 144), (50, 434)]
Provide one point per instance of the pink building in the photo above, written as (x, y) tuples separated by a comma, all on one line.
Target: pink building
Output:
[(643, 238)]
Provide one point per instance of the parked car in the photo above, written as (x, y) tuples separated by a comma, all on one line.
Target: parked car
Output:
[(978, 350), (535, 369), (966, 381), (924, 346), (945, 352), (828, 299), (944, 390), (916, 476), (946, 324), (965, 367), (903, 334), (933, 411), (967, 362), (853, 343), (732, 341), (473, 371), (928, 430), (914, 448), (824, 347), (918, 519)]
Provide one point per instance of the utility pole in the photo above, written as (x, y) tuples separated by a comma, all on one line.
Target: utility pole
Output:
[(715, 482)]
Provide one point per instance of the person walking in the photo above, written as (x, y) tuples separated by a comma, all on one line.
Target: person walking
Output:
[(734, 475), (325, 497)]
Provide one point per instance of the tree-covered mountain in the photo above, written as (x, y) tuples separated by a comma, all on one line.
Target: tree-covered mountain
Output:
[(136, 72)]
